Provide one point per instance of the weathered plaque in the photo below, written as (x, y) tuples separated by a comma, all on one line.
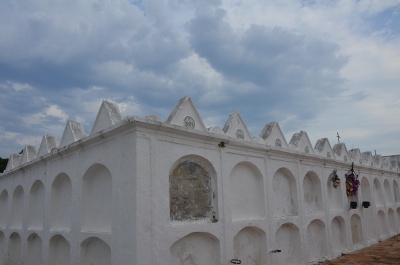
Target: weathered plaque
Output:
[(189, 122)]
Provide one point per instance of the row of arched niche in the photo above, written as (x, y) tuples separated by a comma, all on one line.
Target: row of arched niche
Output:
[(193, 192), (95, 204), (93, 250), (250, 244)]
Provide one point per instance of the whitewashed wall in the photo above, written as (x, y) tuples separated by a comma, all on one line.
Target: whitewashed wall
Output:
[(105, 198)]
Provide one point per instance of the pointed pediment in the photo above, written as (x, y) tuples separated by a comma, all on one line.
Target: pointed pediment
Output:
[(273, 136), (216, 130), (355, 155), (186, 115), (341, 153), (377, 159), (13, 162), (107, 116), (301, 143), (73, 132), (386, 163), (323, 148), (367, 159), (49, 142), (28, 155), (235, 127)]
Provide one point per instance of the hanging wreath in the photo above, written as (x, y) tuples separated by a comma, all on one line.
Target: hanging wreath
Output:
[(335, 179), (352, 182)]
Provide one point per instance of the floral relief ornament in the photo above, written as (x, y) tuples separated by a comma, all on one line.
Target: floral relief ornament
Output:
[(335, 179), (352, 182)]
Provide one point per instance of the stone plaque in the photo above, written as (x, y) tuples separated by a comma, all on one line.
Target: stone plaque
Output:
[(239, 134), (278, 142), (189, 122), (306, 150)]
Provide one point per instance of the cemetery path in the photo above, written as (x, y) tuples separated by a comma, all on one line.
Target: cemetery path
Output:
[(386, 252)]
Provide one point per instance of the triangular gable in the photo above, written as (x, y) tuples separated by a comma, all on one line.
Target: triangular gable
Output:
[(107, 116), (273, 136), (355, 155), (13, 162), (235, 127), (301, 143), (186, 115), (216, 130), (48, 143), (28, 155), (386, 163), (377, 159), (323, 148), (73, 132), (341, 153), (367, 159)]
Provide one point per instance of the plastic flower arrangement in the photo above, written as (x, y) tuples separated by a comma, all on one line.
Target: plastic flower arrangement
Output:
[(335, 179), (352, 182)]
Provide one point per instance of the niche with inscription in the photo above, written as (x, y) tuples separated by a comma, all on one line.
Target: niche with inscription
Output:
[(191, 192)]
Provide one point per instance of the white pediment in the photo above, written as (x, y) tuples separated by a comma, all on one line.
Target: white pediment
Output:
[(13, 162), (377, 159), (186, 115), (273, 136), (323, 148), (107, 116), (73, 132), (355, 155), (235, 127), (300, 142), (341, 152), (48, 143), (367, 159), (28, 154)]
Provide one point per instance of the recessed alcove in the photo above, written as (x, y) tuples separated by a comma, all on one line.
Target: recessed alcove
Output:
[(195, 248), (312, 193), (339, 242), (335, 199), (95, 251), (316, 238), (396, 192), (284, 201), (34, 250), (14, 249), (17, 208), (356, 229), (2, 247), (97, 199), (59, 251), (36, 206), (382, 225), (377, 191), (287, 240), (367, 213), (247, 192), (3, 209), (249, 246), (392, 222), (388, 193), (61, 196)]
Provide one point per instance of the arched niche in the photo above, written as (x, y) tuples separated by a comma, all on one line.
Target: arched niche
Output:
[(59, 251), (388, 193), (287, 240), (392, 222), (312, 193), (339, 242), (335, 201), (356, 229), (284, 200), (249, 246), (3, 208), (17, 208), (14, 249), (34, 250), (367, 213), (61, 196), (195, 248), (95, 251), (316, 238), (193, 189), (97, 199), (247, 192), (396, 192), (377, 191), (382, 225), (36, 206), (2, 247)]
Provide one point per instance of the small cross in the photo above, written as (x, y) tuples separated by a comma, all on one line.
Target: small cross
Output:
[(338, 137)]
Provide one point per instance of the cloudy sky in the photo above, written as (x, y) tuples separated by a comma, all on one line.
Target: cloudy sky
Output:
[(318, 66)]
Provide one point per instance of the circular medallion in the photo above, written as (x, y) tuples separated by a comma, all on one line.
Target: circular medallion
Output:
[(189, 122)]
